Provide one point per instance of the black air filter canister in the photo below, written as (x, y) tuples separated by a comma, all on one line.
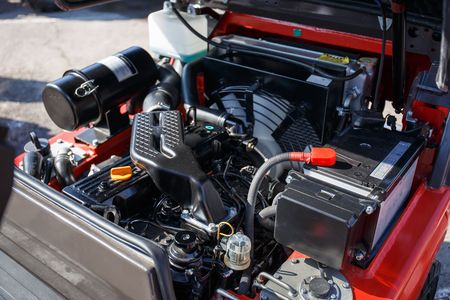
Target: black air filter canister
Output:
[(84, 96)]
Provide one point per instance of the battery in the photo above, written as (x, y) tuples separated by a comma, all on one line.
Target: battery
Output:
[(374, 169), (374, 164), (327, 221)]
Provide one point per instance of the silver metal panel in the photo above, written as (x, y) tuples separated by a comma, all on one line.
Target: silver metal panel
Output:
[(74, 258)]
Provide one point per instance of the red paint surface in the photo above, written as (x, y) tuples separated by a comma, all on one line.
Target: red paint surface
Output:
[(117, 145), (401, 266), (264, 27)]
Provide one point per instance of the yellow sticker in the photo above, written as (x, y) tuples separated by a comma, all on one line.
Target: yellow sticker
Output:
[(335, 59)]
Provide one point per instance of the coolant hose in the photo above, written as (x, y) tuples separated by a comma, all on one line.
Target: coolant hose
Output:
[(317, 156)]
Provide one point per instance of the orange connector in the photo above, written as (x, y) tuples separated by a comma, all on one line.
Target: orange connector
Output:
[(325, 157)]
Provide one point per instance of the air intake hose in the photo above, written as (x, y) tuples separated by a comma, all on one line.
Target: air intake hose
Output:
[(165, 95), (196, 112)]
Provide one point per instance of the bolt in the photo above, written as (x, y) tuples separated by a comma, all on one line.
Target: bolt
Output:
[(191, 10), (295, 261), (304, 291), (212, 227), (277, 276), (369, 210), (95, 143), (103, 186), (358, 174), (332, 296), (345, 285), (185, 212), (59, 141), (359, 255), (289, 179)]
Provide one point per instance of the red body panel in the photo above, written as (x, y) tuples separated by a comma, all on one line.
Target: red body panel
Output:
[(257, 26), (401, 266)]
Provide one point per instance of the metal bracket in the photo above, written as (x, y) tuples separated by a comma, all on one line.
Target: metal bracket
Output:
[(113, 123)]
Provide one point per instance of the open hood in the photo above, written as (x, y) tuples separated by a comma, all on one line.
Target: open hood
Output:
[(353, 16), (342, 15), (336, 14), (419, 11)]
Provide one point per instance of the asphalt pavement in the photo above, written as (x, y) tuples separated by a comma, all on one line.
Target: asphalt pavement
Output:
[(37, 48)]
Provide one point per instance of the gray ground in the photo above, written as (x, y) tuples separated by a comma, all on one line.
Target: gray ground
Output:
[(35, 49)]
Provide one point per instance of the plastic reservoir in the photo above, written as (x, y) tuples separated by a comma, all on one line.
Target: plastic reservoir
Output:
[(169, 37)]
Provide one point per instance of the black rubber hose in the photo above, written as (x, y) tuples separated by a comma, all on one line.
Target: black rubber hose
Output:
[(268, 212), (265, 215), (398, 55), (194, 111), (166, 94), (245, 282), (33, 163), (63, 168), (376, 99)]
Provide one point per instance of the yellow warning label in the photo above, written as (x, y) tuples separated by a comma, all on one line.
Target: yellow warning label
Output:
[(335, 59)]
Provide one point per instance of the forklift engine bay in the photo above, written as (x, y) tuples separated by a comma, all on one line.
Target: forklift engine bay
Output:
[(260, 162)]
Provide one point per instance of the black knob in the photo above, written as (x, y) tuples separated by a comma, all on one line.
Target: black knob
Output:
[(184, 252), (186, 240), (36, 144)]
